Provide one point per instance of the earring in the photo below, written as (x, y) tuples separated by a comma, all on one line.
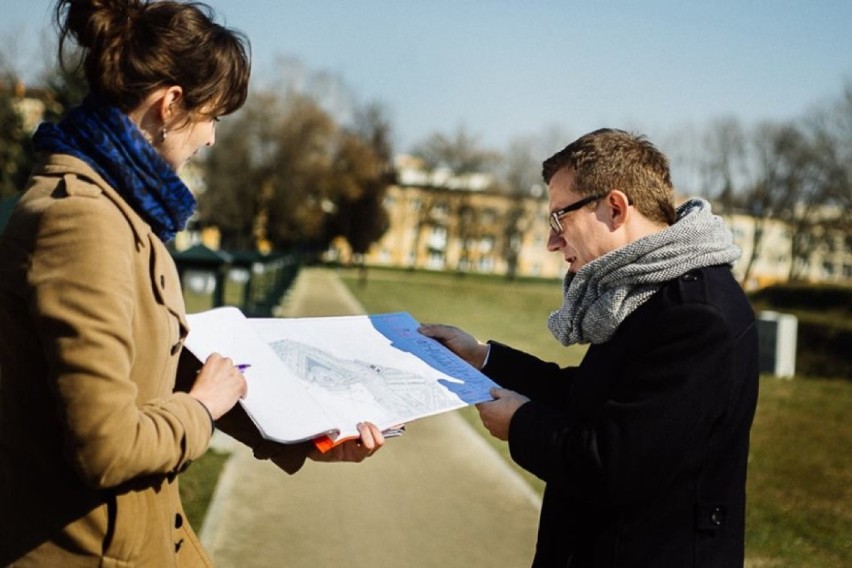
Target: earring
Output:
[(163, 134)]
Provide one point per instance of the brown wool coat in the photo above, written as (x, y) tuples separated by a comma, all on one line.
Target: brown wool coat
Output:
[(92, 434)]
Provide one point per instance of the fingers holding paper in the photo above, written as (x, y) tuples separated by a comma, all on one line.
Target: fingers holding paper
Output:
[(458, 341), (356, 450), (497, 414)]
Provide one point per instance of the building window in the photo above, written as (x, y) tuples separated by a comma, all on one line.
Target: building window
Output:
[(486, 245), (437, 238), (435, 260), (440, 210)]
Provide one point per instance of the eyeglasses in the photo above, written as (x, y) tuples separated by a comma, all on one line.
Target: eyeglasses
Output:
[(555, 217)]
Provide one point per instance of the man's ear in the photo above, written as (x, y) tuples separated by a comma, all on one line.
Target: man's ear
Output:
[(619, 204)]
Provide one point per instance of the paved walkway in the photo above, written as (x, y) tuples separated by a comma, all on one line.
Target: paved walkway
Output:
[(439, 497)]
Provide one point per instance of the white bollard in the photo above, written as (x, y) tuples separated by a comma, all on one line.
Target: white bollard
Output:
[(777, 340)]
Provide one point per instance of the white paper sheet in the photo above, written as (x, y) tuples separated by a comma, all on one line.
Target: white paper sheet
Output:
[(314, 376)]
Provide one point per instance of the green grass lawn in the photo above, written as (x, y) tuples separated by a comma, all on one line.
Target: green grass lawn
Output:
[(513, 312), (800, 473)]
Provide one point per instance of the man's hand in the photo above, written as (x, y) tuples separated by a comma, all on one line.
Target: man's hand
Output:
[(370, 442), (459, 342), (497, 414)]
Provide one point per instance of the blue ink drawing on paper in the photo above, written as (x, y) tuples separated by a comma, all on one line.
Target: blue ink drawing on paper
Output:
[(401, 329)]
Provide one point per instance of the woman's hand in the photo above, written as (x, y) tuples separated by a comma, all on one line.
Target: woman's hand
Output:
[(459, 342), (219, 385), (370, 442)]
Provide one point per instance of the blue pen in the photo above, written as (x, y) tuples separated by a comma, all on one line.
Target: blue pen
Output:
[(242, 367)]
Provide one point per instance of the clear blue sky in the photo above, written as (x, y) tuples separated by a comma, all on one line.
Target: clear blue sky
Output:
[(508, 68)]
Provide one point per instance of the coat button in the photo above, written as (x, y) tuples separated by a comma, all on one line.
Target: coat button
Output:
[(178, 521), (717, 516)]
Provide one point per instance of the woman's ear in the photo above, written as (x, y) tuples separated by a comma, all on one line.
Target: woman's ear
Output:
[(170, 103)]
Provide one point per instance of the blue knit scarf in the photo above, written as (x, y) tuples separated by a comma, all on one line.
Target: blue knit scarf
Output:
[(105, 138)]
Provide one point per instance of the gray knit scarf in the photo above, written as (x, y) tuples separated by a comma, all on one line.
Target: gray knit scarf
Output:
[(604, 292)]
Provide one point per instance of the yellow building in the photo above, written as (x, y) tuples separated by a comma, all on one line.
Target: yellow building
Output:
[(441, 222), (463, 224), (828, 259)]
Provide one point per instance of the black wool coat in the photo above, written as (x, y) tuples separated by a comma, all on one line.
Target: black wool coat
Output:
[(644, 445)]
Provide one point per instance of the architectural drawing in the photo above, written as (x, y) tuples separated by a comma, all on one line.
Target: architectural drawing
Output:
[(397, 391)]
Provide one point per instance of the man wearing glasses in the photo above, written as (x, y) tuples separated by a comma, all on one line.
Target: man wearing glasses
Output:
[(644, 445)]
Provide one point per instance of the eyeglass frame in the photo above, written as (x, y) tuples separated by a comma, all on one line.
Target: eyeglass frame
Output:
[(554, 219)]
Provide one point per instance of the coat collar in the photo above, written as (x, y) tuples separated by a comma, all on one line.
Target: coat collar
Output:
[(63, 164)]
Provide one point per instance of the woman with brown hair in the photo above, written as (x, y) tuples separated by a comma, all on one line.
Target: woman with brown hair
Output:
[(92, 430)]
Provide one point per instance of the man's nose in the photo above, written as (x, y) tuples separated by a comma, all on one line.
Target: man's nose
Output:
[(555, 241)]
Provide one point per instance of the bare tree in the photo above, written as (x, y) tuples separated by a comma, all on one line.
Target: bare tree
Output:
[(466, 228), (362, 171), (797, 172), (520, 177), (760, 198), (725, 168), (302, 159), (823, 182), (239, 174), (285, 172), (830, 127), (460, 152), (790, 187), (426, 209), (267, 176)]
